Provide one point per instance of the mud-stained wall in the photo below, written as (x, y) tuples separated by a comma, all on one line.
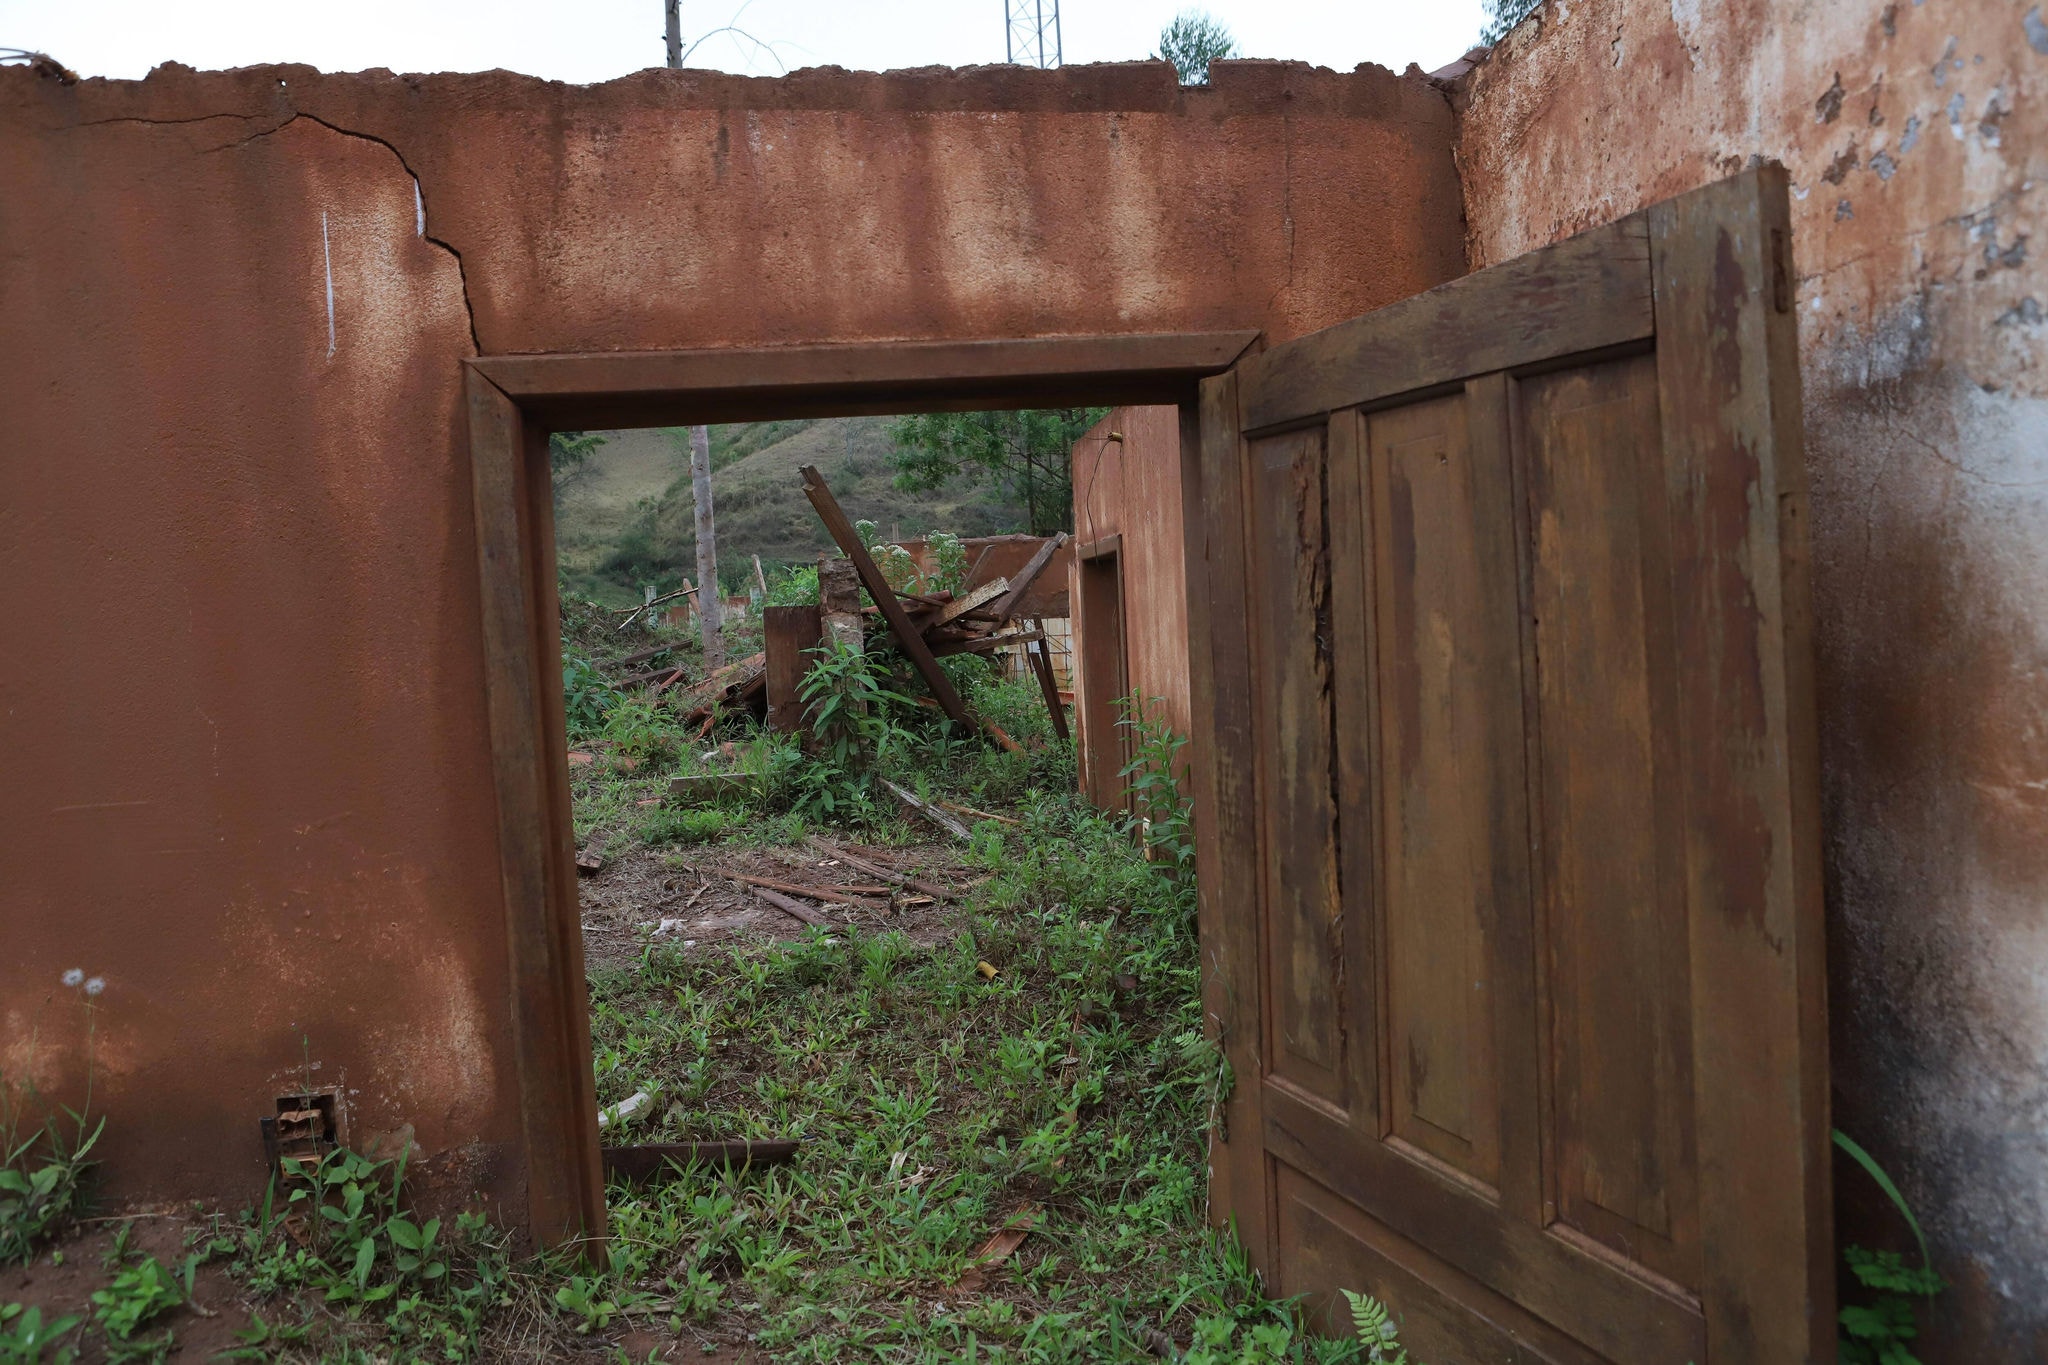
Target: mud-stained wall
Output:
[(1917, 139), (247, 804), (1131, 489)]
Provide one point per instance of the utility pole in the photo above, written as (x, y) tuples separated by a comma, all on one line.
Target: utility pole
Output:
[(710, 606), (1032, 32)]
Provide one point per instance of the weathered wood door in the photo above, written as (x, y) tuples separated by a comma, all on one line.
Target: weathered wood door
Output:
[(1511, 902)]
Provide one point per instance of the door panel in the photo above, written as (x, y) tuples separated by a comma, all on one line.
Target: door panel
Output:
[(1529, 921), (1325, 1241), (1304, 943), (1613, 842), (1449, 722)]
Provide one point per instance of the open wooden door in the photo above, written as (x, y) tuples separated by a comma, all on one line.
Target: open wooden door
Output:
[(1513, 927)]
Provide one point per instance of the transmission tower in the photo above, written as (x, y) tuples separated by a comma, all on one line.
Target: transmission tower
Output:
[(1033, 34)]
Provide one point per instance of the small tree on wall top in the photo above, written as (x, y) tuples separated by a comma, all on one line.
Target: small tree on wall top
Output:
[(1191, 42), (1502, 15)]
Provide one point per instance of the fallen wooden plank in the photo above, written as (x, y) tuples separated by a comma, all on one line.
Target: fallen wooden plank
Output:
[(817, 893), (973, 814), (887, 874), (794, 909), (983, 644), (908, 638), (960, 606), (1000, 1246), (931, 812), (1006, 606), (654, 1161)]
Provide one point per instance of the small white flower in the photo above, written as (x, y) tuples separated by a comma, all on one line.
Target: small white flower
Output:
[(96, 985), (73, 977)]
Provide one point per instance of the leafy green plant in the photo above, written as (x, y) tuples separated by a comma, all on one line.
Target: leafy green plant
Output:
[(583, 1298), (343, 1244), (796, 587), (639, 729), (137, 1294), (42, 1166), (847, 707), (25, 1337), (898, 568), (949, 563), (1376, 1327), (1153, 778), (1876, 1332), (587, 697)]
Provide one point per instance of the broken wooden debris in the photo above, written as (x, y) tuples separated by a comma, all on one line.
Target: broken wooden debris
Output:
[(1039, 652), (960, 606), (656, 1161), (973, 814), (874, 869), (816, 893), (984, 644), (907, 636), (794, 909), (930, 812), (652, 603), (590, 858), (1000, 1246), (1006, 606)]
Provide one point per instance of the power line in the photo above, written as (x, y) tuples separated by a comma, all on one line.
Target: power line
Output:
[(1032, 32)]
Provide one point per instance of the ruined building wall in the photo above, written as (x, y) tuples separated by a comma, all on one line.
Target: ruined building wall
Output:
[(1916, 135), (1131, 489), (247, 772)]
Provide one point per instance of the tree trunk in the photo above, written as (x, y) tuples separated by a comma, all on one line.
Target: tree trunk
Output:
[(710, 607), (675, 33)]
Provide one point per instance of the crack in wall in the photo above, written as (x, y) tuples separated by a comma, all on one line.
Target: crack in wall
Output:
[(418, 189)]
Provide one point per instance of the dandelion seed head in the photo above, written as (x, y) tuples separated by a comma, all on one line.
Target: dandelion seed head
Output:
[(73, 977), (96, 985)]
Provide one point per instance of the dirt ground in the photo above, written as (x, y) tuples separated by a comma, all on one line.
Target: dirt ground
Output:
[(650, 895)]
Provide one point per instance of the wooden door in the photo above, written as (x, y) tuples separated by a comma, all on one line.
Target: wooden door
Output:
[(1503, 647)]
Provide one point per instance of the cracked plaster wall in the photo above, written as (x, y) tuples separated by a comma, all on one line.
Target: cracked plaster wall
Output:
[(1917, 139), (241, 691)]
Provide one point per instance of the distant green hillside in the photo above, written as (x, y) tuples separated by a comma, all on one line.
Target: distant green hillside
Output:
[(627, 517)]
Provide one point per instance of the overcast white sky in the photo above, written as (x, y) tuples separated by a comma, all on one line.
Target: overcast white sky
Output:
[(594, 40)]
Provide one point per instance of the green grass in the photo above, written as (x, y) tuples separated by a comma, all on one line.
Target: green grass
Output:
[(933, 1105)]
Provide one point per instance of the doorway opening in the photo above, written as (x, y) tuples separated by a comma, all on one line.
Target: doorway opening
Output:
[(842, 987)]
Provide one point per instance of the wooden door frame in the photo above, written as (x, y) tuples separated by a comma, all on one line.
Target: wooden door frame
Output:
[(1089, 560), (1707, 278), (512, 404)]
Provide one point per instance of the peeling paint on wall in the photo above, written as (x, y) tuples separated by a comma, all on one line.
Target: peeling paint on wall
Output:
[(1925, 363)]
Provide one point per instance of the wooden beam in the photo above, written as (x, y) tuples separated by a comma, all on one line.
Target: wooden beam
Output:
[(737, 384), (907, 636), (984, 644), (794, 909), (1521, 312), (960, 606), (1041, 664), (1006, 606)]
